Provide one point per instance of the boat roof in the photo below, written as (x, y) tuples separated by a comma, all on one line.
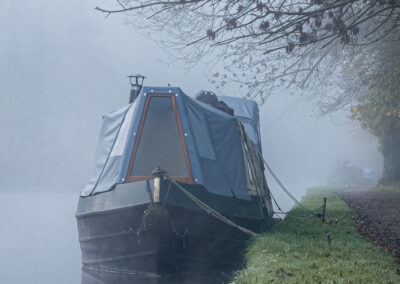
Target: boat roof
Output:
[(211, 140)]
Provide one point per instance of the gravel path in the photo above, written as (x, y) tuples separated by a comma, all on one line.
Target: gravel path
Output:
[(377, 215)]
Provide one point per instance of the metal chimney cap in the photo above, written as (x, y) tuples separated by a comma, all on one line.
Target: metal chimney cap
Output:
[(136, 86), (136, 76)]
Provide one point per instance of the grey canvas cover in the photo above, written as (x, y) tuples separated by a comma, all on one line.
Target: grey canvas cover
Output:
[(109, 151), (212, 139), (248, 114)]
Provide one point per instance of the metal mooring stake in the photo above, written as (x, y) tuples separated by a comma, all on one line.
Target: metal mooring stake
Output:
[(323, 211)]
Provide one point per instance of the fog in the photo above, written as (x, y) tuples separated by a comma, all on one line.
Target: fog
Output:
[(62, 65)]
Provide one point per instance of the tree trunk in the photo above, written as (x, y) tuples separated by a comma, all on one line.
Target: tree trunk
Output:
[(390, 148)]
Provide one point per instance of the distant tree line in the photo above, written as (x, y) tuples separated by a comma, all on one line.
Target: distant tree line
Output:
[(377, 104)]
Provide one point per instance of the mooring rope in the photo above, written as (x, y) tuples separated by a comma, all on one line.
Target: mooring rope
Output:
[(285, 189), (257, 150), (312, 213), (210, 210), (286, 213)]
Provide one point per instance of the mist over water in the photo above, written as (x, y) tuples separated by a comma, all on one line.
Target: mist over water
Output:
[(62, 65), (39, 238)]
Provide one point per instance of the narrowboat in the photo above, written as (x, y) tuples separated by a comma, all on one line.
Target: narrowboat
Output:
[(178, 184)]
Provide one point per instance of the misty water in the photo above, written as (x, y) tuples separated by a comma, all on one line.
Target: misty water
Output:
[(39, 238), (62, 66)]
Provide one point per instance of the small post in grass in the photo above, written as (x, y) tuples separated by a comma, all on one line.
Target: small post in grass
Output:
[(323, 211)]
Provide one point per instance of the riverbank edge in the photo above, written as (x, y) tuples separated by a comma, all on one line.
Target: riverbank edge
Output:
[(308, 251)]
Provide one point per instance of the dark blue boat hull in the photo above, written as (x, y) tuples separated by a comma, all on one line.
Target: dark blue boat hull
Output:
[(123, 240)]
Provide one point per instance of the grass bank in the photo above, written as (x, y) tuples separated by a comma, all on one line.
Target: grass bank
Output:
[(298, 251), (392, 188)]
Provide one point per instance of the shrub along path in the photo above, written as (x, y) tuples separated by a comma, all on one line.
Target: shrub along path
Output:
[(299, 251), (377, 215)]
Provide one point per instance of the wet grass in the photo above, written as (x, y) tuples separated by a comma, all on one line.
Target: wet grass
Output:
[(298, 251)]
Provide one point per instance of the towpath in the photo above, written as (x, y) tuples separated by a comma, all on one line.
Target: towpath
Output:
[(377, 215)]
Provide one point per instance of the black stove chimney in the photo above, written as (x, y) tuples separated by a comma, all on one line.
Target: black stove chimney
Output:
[(136, 82)]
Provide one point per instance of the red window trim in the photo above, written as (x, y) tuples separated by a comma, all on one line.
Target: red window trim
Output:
[(129, 177)]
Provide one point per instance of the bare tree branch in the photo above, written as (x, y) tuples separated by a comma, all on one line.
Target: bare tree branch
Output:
[(270, 44)]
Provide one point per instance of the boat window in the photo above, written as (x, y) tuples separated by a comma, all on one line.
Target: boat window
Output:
[(160, 143)]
